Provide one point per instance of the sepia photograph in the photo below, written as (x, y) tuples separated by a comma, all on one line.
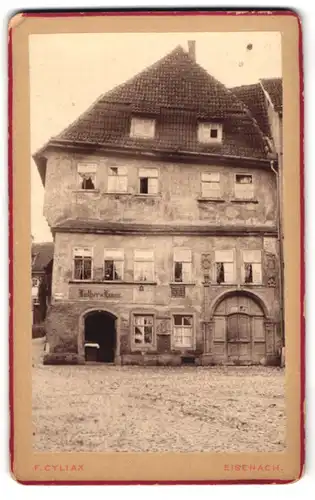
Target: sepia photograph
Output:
[(157, 277)]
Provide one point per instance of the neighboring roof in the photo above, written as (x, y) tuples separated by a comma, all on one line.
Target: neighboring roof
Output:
[(254, 98), (179, 92), (273, 87), (42, 254)]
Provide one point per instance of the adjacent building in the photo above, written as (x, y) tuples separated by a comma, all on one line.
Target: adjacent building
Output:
[(42, 260), (163, 202)]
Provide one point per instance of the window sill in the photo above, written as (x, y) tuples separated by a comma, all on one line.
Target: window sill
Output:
[(182, 283), (147, 195), (240, 200), (118, 193), (114, 282), (212, 200), (86, 191)]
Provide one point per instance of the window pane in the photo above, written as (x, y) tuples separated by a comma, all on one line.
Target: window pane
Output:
[(112, 184), (87, 264), (219, 272), (153, 186), (78, 268), (178, 271), (248, 273), (243, 179), (143, 271), (148, 172), (210, 177), (139, 320), (224, 256), (144, 185), (114, 254), (177, 320), (148, 320), (87, 181), (109, 269), (186, 268), (182, 255), (210, 190), (87, 168), (187, 320), (229, 272), (144, 255), (82, 251)]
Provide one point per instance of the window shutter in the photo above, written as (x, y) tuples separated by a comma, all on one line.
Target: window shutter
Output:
[(153, 186), (210, 177), (257, 277), (219, 328)]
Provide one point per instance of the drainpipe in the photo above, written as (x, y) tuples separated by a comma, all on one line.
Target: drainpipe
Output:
[(280, 240)]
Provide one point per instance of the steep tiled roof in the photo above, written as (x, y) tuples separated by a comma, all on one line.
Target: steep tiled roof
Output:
[(178, 92), (42, 253), (254, 98), (273, 87)]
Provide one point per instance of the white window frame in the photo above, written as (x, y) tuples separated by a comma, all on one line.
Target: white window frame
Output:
[(122, 173), (186, 261), (182, 326), (204, 132), (238, 195), (152, 174), (143, 315), (211, 181), (86, 252), (253, 257), (143, 128), (89, 170), (138, 259), (109, 255), (228, 259)]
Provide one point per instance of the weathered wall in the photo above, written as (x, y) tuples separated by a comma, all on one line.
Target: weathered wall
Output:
[(65, 323), (177, 201)]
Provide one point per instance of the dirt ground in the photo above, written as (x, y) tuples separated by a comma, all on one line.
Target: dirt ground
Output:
[(187, 409)]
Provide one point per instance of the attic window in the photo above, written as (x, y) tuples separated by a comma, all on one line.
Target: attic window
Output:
[(142, 127), (209, 133), (87, 175)]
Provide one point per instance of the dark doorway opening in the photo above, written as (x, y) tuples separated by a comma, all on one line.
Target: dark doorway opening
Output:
[(100, 329)]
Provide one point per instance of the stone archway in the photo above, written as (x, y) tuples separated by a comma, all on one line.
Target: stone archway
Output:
[(98, 340), (239, 328)]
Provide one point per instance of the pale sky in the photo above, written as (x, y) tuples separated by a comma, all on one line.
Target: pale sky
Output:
[(70, 71)]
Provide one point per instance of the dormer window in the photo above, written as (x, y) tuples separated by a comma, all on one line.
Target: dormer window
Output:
[(144, 128), (87, 175), (210, 133)]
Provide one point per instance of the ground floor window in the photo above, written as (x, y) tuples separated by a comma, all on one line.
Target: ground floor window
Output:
[(143, 329), (183, 330)]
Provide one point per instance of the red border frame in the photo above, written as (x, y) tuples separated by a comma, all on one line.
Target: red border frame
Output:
[(156, 12)]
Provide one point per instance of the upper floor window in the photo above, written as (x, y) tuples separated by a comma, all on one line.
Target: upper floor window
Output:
[(142, 127), (82, 263), (148, 180), (113, 264), (182, 265), (251, 271), (87, 175), (117, 180), (210, 132), (144, 265), (210, 185), (224, 266), (244, 187)]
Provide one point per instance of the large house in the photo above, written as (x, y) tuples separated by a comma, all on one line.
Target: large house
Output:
[(163, 199)]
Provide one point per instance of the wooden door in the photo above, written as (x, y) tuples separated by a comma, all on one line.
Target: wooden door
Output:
[(239, 337)]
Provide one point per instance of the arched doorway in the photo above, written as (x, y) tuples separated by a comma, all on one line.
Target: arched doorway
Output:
[(100, 330), (239, 329)]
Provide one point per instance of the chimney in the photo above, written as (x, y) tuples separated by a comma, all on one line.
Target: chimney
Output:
[(192, 49)]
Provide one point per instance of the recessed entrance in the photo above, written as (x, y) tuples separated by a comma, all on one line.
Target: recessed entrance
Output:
[(100, 337)]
